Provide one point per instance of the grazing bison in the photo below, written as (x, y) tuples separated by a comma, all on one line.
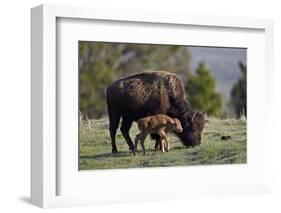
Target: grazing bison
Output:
[(151, 93)]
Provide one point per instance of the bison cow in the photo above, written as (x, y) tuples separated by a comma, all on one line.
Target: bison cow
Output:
[(151, 93)]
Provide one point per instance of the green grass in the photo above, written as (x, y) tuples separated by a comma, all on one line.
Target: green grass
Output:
[(95, 147)]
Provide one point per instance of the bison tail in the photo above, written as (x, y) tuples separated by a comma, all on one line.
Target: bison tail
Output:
[(109, 101), (112, 109), (108, 97)]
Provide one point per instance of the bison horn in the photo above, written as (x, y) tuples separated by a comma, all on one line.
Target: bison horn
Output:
[(193, 116)]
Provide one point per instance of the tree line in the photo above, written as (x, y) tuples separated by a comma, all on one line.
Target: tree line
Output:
[(102, 63)]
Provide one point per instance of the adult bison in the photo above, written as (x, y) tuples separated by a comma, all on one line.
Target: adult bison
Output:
[(150, 93)]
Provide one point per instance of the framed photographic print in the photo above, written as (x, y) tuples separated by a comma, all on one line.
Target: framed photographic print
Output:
[(130, 102)]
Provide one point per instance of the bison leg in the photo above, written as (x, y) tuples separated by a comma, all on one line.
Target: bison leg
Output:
[(125, 128), (114, 118), (156, 137), (157, 144)]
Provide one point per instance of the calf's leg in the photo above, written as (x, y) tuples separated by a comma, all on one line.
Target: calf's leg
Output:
[(162, 144), (137, 139), (143, 137), (163, 139), (167, 144)]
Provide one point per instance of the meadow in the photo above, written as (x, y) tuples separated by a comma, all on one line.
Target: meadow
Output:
[(216, 148)]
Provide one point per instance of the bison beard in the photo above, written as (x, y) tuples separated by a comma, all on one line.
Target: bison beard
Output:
[(151, 93)]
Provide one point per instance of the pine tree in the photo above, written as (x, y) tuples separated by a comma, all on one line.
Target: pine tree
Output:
[(201, 91), (239, 93)]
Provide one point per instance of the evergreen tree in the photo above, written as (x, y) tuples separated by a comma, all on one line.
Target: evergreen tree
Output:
[(201, 91), (239, 93)]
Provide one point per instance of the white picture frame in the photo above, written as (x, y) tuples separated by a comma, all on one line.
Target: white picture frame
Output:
[(45, 168)]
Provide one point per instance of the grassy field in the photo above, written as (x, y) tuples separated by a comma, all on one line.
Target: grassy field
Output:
[(95, 147)]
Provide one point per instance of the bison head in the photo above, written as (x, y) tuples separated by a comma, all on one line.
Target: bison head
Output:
[(193, 125)]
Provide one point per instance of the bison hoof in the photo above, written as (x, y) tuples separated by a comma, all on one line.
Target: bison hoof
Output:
[(132, 148), (114, 151)]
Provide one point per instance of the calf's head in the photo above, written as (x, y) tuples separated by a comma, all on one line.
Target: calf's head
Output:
[(177, 125), (193, 125)]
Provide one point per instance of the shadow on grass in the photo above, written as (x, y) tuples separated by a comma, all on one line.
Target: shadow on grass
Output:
[(150, 152), (107, 155)]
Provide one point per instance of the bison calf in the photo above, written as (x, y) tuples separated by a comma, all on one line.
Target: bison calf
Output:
[(159, 124)]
